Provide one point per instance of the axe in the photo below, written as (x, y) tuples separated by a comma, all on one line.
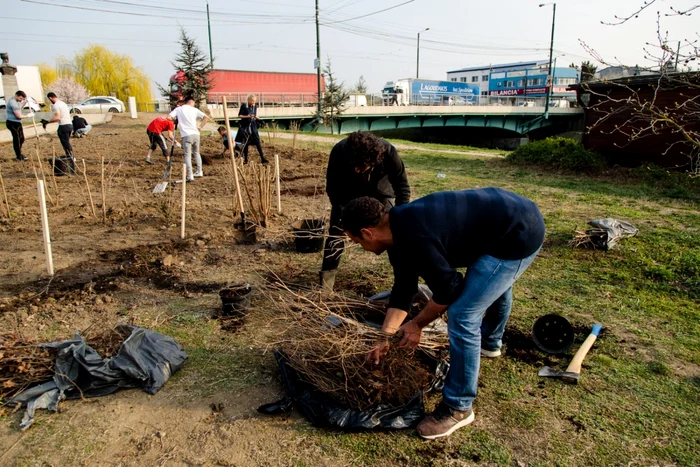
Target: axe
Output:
[(573, 372)]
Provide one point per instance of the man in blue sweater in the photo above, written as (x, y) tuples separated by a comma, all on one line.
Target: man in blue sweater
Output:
[(492, 232)]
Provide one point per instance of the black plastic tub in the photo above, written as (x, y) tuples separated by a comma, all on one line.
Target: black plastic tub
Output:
[(553, 334), (309, 235), (235, 300), (62, 165)]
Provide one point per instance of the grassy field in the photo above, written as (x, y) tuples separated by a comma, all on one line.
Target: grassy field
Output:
[(637, 402)]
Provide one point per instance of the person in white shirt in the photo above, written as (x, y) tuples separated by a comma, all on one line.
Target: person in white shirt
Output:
[(61, 114), (186, 116)]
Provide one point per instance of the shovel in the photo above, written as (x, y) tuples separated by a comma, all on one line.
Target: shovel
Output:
[(160, 187)]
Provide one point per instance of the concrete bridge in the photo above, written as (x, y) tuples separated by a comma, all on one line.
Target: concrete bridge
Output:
[(520, 120)]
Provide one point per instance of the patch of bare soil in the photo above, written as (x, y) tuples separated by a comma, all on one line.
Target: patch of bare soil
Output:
[(125, 263)]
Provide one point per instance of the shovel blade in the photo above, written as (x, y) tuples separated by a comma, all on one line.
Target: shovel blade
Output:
[(160, 188)]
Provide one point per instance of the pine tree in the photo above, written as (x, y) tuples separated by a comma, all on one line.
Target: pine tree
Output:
[(588, 70), (195, 67), (361, 85), (333, 99)]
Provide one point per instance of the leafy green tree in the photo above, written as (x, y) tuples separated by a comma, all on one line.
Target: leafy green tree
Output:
[(333, 99), (195, 67)]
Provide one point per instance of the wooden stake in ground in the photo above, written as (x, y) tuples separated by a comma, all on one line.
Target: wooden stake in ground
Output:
[(232, 146), (4, 195), (184, 199), (53, 175), (104, 193), (87, 184), (43, 176), (45, 227), (277, 183)]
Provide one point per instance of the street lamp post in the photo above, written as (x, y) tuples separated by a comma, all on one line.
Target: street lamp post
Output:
[(549, 70), (418, 53)]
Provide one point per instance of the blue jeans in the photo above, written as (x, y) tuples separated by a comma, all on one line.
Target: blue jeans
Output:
[(477, 320)]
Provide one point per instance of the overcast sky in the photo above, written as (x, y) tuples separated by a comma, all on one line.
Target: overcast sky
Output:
[(280, 35)]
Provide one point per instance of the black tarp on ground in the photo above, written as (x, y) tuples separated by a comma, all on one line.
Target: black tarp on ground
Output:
[(145, 360)]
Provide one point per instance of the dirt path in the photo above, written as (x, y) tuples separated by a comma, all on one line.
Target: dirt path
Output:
[(327, 139)]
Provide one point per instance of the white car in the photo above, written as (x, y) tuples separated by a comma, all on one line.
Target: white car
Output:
[(29, 103), (98, 105)]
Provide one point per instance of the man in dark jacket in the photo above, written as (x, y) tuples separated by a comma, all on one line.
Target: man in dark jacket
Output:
[(360, 165), (492, 232)]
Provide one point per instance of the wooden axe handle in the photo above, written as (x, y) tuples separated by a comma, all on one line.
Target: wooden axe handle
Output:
[(577, 361)]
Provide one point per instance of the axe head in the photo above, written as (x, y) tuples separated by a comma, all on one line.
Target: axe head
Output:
[(566, 376)]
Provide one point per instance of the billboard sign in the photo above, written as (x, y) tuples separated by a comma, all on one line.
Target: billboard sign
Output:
[(518, 92), (422, 90)]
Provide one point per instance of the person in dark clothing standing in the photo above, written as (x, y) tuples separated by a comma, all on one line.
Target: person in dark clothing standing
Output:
[(14, 122), (65, 125), (360, 165), (495, 234), (248, 129)]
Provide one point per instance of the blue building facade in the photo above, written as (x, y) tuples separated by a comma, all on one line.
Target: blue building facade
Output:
[(521, 81)]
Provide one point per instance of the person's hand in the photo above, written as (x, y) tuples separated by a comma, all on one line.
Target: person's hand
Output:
[(177, 145), (30, 115), (377, 353), (410, 334)]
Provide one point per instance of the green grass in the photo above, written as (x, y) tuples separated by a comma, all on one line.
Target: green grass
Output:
[(639, 393)]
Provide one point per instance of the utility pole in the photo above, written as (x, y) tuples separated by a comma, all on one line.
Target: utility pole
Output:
[(211, 55), (318, 61), (678, 51), (418, 53), (549, 70)]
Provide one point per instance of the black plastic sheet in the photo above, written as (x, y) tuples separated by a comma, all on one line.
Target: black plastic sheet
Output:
[(145, 360), (324, 411)]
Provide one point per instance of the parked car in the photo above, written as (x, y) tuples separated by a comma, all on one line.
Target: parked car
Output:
[(98, 105), (29, 103)]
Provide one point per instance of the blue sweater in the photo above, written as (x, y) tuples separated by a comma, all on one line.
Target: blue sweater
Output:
[(443, 231)]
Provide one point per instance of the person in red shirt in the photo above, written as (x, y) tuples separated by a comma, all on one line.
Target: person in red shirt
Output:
[(155, 132)]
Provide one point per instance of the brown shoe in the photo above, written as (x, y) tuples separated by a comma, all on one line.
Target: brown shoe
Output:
[(443, 422)]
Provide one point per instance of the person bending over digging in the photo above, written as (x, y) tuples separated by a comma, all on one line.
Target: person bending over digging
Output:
[(226, 141), (155, 131), (360, 165), (492, 232)]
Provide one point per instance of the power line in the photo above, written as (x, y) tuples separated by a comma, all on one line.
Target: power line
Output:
[(368, 14)]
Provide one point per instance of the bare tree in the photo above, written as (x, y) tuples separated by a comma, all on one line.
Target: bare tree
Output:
[(665, 103)]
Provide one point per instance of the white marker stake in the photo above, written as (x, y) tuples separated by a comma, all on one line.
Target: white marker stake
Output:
[(184, 198), (132, 107), (277, 181), (45, 227)]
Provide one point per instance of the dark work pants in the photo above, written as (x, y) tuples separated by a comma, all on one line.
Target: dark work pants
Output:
[(156, 139), (252, 138), (64, 132), (17, 137), (335, 243)]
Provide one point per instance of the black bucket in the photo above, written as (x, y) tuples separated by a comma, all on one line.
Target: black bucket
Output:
[(235, 300), (247, 232), (309, 235), (63, 165), (553, 334)]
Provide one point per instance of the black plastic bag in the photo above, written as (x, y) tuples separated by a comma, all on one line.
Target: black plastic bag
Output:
[(145, 360), (324, 411)]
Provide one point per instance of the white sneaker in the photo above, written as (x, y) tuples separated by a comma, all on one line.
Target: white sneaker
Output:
[(491, 353), (199, 174)]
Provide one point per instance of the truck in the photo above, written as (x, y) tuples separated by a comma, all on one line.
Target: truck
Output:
[(271, 88), (29, 81), (413, 91)]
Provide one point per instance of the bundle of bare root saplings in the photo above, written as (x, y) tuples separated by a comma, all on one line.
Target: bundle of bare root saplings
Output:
[(323, 337), (25, 362)]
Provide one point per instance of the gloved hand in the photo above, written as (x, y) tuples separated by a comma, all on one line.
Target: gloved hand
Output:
[(178, 145), (44, 122), (30, 115)]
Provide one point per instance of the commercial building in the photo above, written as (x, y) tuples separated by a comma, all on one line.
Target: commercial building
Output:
[(518, 83)]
